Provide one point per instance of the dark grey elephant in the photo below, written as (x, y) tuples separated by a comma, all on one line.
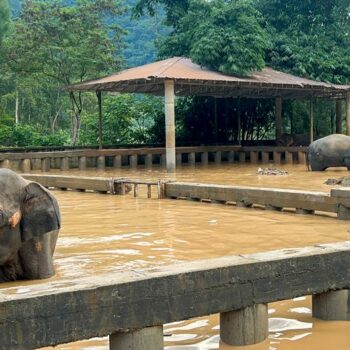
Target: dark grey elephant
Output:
[(29, 225), (330, 151)]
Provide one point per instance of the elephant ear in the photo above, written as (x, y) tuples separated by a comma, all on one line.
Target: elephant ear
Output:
[(40, 212)]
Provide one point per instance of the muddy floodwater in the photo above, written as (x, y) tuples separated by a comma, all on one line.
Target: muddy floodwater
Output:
[(104, 234)]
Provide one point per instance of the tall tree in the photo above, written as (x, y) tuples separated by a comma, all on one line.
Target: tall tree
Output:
[(66, 44), (4, 17)]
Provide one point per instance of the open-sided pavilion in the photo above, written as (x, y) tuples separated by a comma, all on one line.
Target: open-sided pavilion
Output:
[(179, 76)]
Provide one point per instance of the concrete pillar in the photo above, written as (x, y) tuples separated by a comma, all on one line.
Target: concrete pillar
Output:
[(5, 164), (231, 156), (247, 326), (348, 113), (277, 157), (192, 158), (101, 162), (148, 160), (311, 120), (241, 156), (178, 159), (36, 164), (25, 166), (254, 157), (133, 161), (204, 158), (289, 157), (64, 163), (338, 116), (301, 157), (170, 125), (218, 157), (82, 163), (343, 212), (117, 161), (331, 306), (150, 338), (265, 157), (163, 160), (45, 164), (278, 115)]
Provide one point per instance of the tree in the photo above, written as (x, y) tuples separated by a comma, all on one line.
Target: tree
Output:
[(4, 17), (66, 44)]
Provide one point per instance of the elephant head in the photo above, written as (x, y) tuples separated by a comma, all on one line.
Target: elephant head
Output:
[(29, 226)]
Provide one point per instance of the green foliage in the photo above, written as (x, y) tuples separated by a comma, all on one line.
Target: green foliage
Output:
[(4, 17), (126, 119)]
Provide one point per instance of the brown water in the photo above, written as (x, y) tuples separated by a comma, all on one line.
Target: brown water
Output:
[(103, 233)]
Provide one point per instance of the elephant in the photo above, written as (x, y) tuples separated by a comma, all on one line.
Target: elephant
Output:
[(30, 221), (329, 151)]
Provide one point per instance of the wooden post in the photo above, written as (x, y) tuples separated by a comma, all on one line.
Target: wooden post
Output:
[(278, 116), (311, 120), (348, 113), (338, 113), (247, 326), (170, 125), (99, 98)]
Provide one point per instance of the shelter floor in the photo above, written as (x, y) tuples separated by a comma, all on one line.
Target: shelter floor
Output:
[(102, 234)]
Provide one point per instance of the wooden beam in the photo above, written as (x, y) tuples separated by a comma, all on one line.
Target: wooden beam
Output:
[(278, 115), (99, 97), (348, 113), (311, 120)]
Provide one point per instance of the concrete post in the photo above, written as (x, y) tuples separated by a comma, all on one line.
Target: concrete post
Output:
[(117, 161), (45, 164), (247, 326), (265, 157), (163, 160), (279, 122), (218, 157), (148, 160), (82, 163), (150, 338), (338, 113), (64, 163), (254, 157), (231, 157), (133, 161), (5, 164), (178, 159), (204, 158), (192, 158), (277, 157), (25, 166), (301, 157), (241, 156), (331, 306), (289, 157), (348, 113), (101, 162), (170, 125)]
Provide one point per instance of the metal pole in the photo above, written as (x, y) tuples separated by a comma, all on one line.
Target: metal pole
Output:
[(99, 97)]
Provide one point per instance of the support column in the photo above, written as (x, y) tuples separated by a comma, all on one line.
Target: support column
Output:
[(99, 97), (311, 119), (278, 115), (148, 160), (64, 163), (192, 158), (82, 163), (101, 162), (331, 306), (117, 161), (348, 113), (45, 164), (244, 327), (231, 157), (217, 157), (133, 161), (170, 125), (204, 158), (150, 338), (338, 116), (25, 165)]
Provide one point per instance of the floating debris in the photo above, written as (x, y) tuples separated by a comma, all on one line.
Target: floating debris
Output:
[(271, 171), (343, 181)]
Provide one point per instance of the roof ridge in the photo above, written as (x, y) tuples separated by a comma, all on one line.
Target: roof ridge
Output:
[(176, 59)]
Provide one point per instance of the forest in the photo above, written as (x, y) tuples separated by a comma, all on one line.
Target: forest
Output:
[(46, 45)]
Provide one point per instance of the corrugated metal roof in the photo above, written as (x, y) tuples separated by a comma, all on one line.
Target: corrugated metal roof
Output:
[(192, 79)]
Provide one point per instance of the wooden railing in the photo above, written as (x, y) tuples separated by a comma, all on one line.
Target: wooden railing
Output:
[(133, 157), (132, 307)]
